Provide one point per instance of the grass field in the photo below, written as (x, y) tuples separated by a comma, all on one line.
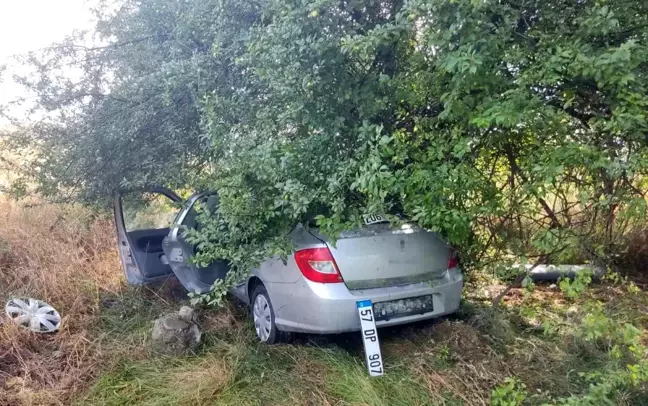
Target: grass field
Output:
[(540, 347)]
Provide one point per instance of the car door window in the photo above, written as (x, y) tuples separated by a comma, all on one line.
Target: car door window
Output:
[(197, 279), (196, 206), (148, 211)]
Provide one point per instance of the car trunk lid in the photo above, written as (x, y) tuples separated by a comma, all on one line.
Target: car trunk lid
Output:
[(381, 255)]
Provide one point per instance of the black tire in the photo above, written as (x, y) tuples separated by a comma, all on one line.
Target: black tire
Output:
[(275, 336)]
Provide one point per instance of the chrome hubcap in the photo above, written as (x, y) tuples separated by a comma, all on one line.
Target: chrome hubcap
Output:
[(262, 317), (33, 314)]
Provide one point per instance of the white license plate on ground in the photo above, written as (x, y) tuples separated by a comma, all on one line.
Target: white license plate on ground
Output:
[(370, 338)]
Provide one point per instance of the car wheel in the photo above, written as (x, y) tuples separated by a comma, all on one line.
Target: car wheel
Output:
[(264, 318)]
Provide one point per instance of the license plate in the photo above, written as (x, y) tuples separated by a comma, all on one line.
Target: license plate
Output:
[(374, 219), (370, 338), (403, 307)]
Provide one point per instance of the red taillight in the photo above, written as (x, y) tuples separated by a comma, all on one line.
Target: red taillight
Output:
[(453, 261), (318, 265)]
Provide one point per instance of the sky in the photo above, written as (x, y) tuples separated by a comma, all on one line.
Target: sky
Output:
[(27, 25)]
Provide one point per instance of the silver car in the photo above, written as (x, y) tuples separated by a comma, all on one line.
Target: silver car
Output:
[(408, 273)]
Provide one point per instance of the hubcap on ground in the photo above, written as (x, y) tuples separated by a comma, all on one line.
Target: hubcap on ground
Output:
[(262, 317), (33, 314)]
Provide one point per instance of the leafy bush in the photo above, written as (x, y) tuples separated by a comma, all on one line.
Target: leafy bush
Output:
[(628, 365)]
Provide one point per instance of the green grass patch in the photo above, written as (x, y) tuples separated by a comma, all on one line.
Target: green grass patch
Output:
[(537, 353), (347, 381), (163, 381), (248, 373), (129, 313)]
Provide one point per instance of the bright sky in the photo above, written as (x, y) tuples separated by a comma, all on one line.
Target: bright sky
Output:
[(27, 25)]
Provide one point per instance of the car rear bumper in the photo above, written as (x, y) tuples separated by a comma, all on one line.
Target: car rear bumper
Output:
[(311, 307)]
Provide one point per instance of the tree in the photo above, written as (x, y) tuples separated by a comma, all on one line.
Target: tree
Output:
[(515, 128)]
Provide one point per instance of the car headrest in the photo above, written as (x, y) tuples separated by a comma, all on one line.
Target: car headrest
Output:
[(212, 203)]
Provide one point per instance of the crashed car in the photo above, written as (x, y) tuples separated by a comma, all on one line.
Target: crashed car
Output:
[(408, 273)]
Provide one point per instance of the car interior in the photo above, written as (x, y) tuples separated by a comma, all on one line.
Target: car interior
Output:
[(146, 248), (145, 227)]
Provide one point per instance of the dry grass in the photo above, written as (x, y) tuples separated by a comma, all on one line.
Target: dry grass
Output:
[(204, 380), (474, 367), (66, 258)]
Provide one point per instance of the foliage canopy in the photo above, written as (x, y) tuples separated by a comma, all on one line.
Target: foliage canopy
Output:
[(513, 127)]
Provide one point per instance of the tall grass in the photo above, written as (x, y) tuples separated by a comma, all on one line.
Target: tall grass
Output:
[(64, 256)]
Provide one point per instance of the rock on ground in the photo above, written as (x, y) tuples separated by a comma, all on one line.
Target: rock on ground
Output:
[(176, 333)]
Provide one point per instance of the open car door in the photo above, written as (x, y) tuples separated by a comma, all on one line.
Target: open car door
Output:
[(143, 219), (179, 252)]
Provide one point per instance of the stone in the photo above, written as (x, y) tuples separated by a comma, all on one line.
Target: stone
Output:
[(175, 333), (172, 323), (186, 313)]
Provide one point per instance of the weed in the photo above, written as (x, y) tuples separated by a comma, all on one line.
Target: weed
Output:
[(574, 288), (511, 393)]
